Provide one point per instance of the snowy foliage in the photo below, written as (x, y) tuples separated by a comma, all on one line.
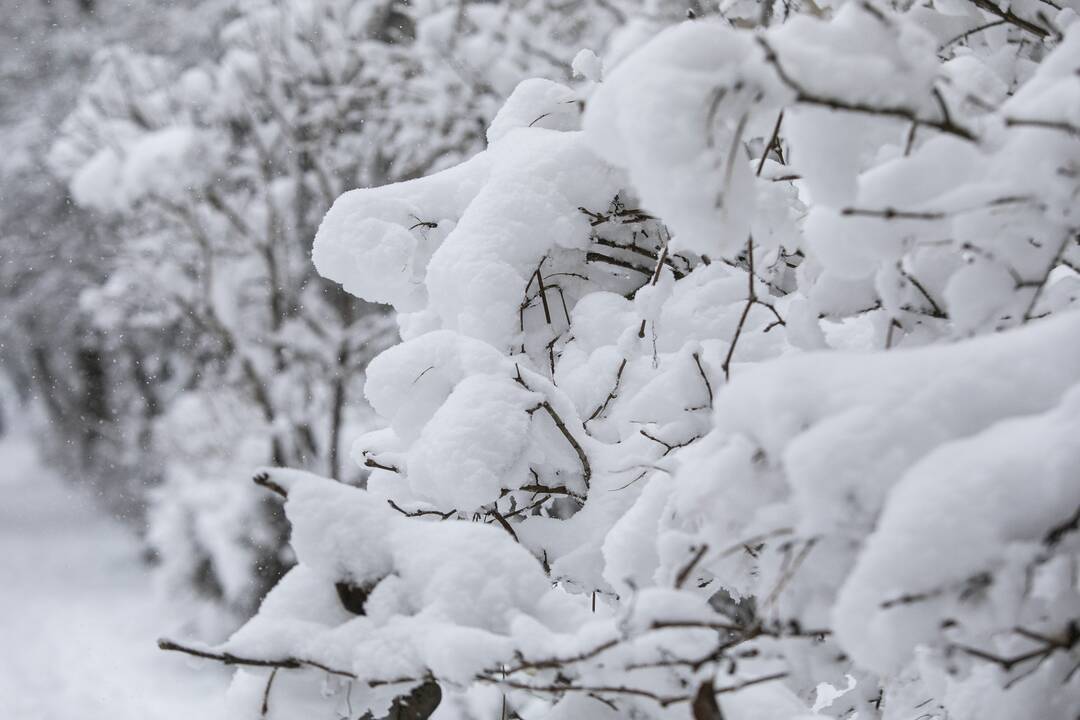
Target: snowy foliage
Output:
[(204, 176), (217, 176), (80, 381), (739, 380)]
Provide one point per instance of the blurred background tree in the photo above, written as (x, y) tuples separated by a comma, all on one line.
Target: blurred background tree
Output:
[(169, 165)]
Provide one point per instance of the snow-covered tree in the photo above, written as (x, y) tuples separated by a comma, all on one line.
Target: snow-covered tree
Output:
[(214, 177), (217, 176), (85, 388), (739, 381)]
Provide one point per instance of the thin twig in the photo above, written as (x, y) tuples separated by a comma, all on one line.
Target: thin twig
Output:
[(266, 691), (656, 275), (751, 298), (419, 513), (505, 525), (804, 96), (586, 467), (772, 141), (684, 574), (705, 377), (263, 479)]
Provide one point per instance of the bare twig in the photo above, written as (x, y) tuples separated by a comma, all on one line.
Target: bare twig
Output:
[(1056, 533), (669, 447), (266, 691), (656, 274), (263, 480), (684, 574), (968, 33), (1012, 18), (505, 525), (705, 377), (773, 139), (1041, 284), (751, 298), (806, 97), (420, 513), (586, 467), (643, 252), (611, 395)]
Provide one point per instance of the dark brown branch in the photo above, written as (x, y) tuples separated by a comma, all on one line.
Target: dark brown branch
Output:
[(935, 309), (965, 35), (420, 513), (288, 663), (889, 213), (611, 395), (790, 571), (263, 480), (749, 683), (744, 633), (751, 298), (505, 525), (586, 467), (644, 252), (1006, 664), (909, 598), (804, 96), (1012, 18), (967, 587), (704, 375), (373, 463), (661, 258), (662, 700), (684, 574), (266, 691), (542, 291), (773, 140), (1041, 285), (1059, 125), (538, 488), (499, 677), (550, 663), (1056, 533), (526, 508), (601, 258), (669, 447), (230, 659), (624, 215)]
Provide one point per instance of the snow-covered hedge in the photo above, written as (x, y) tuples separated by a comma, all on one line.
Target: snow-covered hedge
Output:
[(225, 349), (740, 381)]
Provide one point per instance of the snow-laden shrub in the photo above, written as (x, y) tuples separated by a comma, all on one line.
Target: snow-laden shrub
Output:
[(751, 390), (215, 177)]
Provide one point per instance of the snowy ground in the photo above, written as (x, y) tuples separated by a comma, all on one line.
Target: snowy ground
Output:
[(78, 618)]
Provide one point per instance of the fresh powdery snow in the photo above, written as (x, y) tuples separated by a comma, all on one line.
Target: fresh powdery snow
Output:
[(710, 395), (727, 370), (79, 617)]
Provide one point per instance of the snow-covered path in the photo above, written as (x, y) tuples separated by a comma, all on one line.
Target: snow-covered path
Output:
[(78, 619)]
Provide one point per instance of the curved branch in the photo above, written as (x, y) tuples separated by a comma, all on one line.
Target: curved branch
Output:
[(806, 97)]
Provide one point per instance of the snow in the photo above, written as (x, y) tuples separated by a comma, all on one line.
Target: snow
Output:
[(984, 497), (164, 164), (648, 117), (446, 596), (364, 241), (78, 618), (474, 441), (95, 183), (586, 64), (536, 103), (755, 358)]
